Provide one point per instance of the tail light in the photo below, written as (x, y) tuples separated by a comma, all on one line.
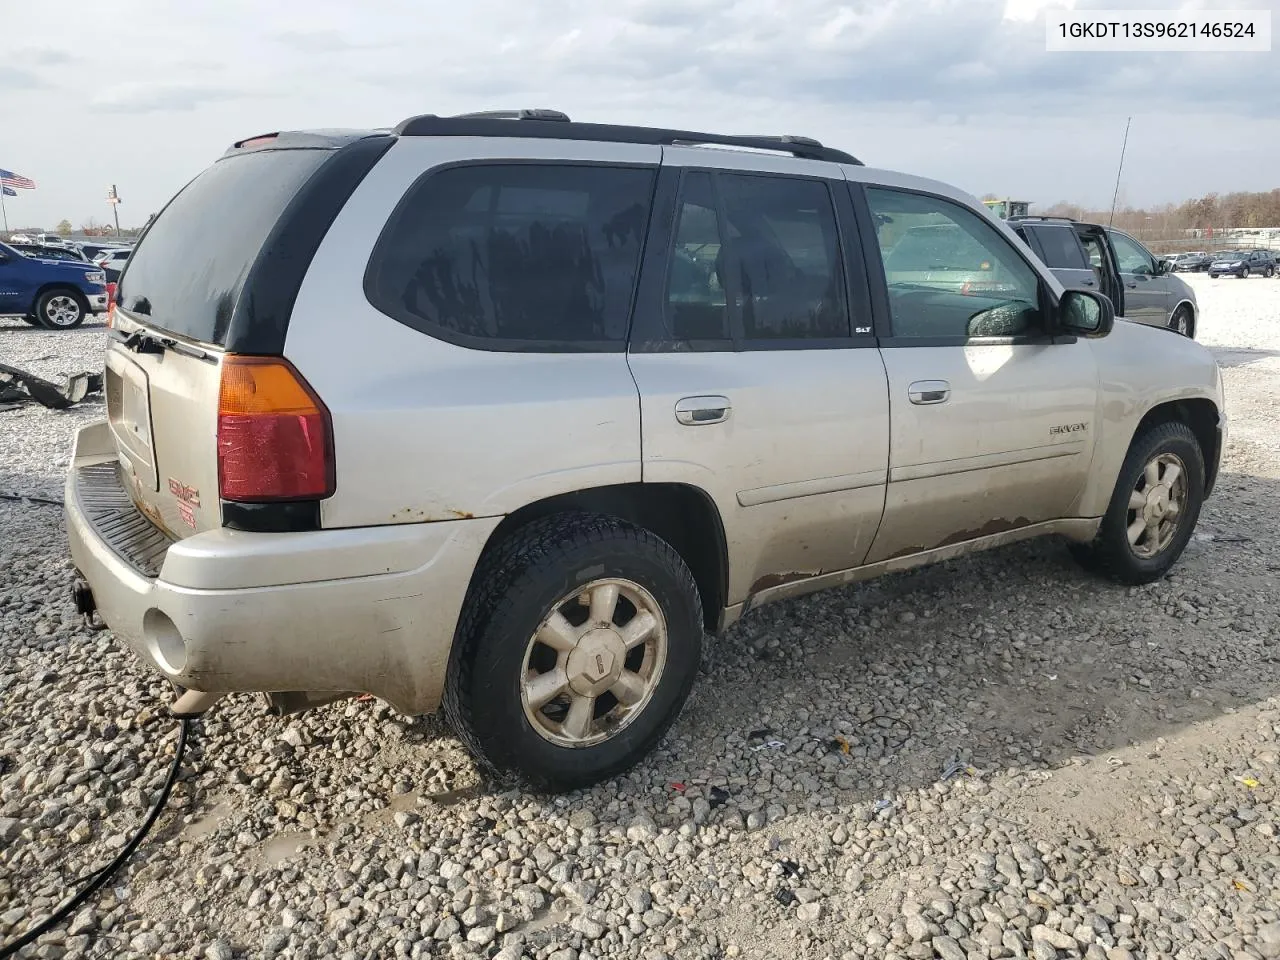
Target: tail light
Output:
[(111, 304), (275, 438)]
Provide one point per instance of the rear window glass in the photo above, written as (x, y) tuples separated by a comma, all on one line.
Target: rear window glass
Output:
[(1061, 250), (189, 268), (528, 256)]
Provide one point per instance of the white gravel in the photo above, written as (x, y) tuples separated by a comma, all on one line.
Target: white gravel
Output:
[(1117, 751)]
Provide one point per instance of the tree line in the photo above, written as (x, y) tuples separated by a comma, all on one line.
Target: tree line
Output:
[(1212, 212)]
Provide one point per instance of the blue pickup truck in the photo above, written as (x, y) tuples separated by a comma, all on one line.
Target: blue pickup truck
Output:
[(56, 294)]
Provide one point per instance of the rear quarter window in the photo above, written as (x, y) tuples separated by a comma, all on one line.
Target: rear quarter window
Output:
[(515, 256)]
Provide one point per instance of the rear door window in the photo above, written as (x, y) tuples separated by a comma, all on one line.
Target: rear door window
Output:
[(1062, 250), (516, 256), (783, 258), (190, 267)]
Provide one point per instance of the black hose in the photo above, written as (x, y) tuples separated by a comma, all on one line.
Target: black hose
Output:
[(29, 498), (98, 879)]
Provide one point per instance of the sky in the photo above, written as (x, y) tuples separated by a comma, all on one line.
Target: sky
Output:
[(144, 94)]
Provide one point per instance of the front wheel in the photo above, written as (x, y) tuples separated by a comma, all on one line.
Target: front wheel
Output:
[(1154, 508), (61, 309), (1244, 274), (1269, 272), (1180, 322), (578, 645)]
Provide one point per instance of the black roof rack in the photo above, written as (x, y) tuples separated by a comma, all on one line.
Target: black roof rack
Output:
[(556, 125), (1036, 216)]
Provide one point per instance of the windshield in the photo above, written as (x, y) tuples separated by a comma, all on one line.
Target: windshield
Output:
[(187, 272), (940, 247)]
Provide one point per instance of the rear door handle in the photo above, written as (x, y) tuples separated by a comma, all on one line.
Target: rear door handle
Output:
[(1086, 283), (698, 411), (929, 391)]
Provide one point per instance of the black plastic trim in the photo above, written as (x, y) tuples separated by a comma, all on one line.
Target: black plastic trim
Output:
[(430, 125), (260, 320), (292, 516), (496, 344)]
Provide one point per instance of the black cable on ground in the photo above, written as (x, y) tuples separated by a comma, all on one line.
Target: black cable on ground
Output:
[(20, 497), (98, 879)]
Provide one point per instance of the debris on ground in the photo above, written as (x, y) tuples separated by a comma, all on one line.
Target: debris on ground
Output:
[(18, 387)]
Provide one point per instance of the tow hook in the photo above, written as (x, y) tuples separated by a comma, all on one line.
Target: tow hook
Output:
[(86, 606)]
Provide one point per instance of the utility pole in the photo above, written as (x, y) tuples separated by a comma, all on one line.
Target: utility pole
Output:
[(113, 198)]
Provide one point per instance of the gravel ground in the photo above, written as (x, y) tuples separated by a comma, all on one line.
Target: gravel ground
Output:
[(1113, 756)]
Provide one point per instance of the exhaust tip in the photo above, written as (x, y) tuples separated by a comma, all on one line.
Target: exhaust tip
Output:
[(194, 703)]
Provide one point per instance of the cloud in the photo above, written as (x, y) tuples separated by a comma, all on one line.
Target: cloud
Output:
[(16, 78), (322, 41), (160, 98)]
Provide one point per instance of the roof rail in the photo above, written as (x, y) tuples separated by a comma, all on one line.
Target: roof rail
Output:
[(532, 113), (498, 123), (1037, 216)]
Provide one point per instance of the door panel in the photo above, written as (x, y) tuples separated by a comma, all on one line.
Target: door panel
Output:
[(991, 421), (11, 286), (1146, 296), (796, 469), (1010, 446), (752, 386)]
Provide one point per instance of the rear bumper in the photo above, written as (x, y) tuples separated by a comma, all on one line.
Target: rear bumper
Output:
[(375, 610)]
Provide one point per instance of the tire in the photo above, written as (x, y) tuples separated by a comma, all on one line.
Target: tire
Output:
[(1111, 553), (1269, 272), (518, 589), (1180, 322), (61, 309), (1244, 274)]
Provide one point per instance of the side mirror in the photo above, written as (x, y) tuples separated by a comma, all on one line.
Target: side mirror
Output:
[(1086, 314)]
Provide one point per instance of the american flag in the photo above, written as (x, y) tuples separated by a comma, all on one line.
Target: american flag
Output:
[(10, 179)]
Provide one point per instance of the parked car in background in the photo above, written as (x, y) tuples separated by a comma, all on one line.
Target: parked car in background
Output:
[(1193, 262), (21, 238), (45, 252), (92, 249), (1089, 256), (114, 258), (1243, 264), (674, 382), (57, 294)]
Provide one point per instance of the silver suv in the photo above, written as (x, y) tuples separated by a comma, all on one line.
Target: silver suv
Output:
[(502, 412)]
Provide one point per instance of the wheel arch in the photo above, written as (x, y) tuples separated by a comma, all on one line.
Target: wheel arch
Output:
[(1200, 414), (1195, 314), (683, 515)]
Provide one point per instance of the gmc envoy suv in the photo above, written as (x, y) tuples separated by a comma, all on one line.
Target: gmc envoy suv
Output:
[(499, 413)]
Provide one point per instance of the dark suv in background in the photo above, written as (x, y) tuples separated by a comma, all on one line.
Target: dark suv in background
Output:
[(1243, 264), (1089, 256)]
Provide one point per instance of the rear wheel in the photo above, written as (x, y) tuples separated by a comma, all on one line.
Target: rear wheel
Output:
[(577, 648), (1153, 510), (1269, 272), (61, 309)]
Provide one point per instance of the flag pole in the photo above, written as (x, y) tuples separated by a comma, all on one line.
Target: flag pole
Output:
[(3, 210)]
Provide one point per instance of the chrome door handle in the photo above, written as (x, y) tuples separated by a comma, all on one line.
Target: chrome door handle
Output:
[(697, 411), (929, 391)]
